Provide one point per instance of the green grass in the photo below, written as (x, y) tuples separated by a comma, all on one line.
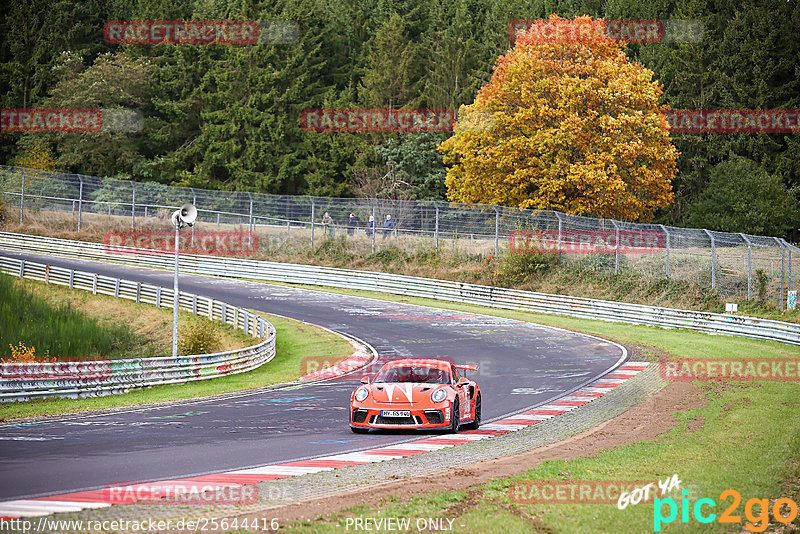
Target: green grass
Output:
[(296, 340), (748, 440), (130, 330), (56, 330)]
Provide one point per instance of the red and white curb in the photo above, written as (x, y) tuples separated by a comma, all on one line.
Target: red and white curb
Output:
[(361, 357), (214, 483)]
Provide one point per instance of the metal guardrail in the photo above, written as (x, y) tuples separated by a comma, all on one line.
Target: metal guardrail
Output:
[(74, 379), (712, 323)]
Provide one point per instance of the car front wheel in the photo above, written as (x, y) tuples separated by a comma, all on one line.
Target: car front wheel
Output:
[(455, 419), (477, 422)]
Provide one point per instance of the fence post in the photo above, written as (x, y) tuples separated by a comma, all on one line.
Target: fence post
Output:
[(749, 267), (133, 206), (22, 200), (436, 228), (250, 221), (194, 203), (783, 270), (496, 229), (616, 250), (559, 239), (313, 218), (789, 270), (374, 224), (666, 233), (713, 260), (80, 202)]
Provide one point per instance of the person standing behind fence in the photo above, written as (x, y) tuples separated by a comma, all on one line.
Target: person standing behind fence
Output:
[(388, 226), (327, 225), (352, 224), (370, 229)]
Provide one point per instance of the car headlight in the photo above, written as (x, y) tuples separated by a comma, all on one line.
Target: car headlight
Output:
[(439, 395), (361, 394)]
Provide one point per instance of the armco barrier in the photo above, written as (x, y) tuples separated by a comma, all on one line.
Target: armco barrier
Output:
[(24, 381), (712, 323)]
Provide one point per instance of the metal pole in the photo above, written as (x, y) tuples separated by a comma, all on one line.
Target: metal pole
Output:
[(559, 241), (616, 251), (436, 229), (80, 203), (133, 206), (783, 271), (194, 203), (666, 233), (496, 229), (713, 261), (250, 222), (374, 225), (749, 267), (313, 216), (22, 200), (175, 297), (789, 270)]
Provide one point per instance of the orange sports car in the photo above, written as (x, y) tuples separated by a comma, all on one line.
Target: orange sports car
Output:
[(417, 393)]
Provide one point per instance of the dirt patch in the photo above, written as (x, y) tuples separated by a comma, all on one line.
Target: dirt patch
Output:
[(644, 422), (695, 425)]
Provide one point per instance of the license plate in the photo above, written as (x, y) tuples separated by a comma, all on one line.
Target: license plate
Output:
[(395, 413)]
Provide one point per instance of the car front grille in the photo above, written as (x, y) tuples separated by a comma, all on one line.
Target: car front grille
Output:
[(413, 420), (434, 417), (359, 416)]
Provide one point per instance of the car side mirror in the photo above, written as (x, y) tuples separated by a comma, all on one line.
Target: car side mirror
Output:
[(463, 381), (365, 380)]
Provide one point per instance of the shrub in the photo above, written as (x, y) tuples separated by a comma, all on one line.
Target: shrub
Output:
[(199, 338), (516, 269), (23, 354), (2, 212), (761, 284)]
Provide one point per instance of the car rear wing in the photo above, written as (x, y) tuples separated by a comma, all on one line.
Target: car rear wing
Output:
[(466, 367)]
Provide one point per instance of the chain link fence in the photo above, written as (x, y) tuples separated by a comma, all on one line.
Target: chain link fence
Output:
[(736, 265)]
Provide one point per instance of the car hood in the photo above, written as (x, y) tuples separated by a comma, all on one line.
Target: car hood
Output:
[(403, 392)]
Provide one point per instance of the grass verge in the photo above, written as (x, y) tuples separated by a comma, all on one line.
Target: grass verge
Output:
[(746, 437), (296, 340), (73, 324)]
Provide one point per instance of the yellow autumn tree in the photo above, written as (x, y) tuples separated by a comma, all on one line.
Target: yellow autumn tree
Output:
[(565, 124), (39, 156)]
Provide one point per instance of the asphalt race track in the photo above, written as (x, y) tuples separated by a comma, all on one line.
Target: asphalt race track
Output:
[(522, 365)]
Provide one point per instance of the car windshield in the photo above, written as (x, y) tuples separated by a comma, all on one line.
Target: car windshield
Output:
[(413, 374)]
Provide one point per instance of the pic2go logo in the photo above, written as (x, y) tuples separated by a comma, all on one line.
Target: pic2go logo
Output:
[(783, 511)]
